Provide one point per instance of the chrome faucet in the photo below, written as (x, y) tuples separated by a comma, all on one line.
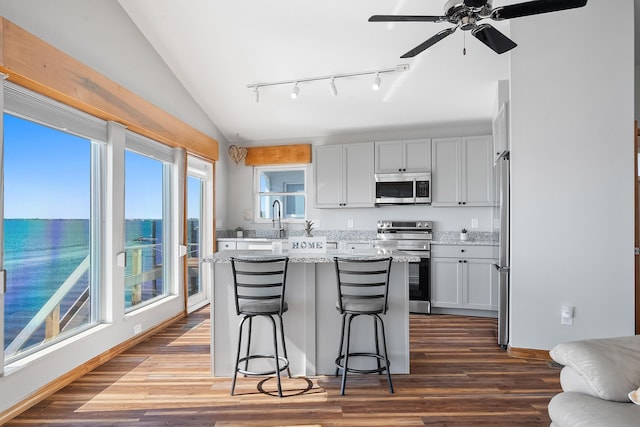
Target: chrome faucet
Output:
[(277, 214)]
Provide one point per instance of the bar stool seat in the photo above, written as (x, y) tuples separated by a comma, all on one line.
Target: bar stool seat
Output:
[(259, 285), (363, 286)]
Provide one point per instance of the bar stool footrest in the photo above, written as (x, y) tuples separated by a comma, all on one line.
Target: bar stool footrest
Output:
[(379, 370), (281, 366)]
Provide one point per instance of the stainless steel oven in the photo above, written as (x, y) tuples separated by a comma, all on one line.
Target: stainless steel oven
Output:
[(413, 237)]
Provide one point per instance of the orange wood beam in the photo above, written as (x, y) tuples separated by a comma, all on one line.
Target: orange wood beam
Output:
[(278, 155), (30, 62)]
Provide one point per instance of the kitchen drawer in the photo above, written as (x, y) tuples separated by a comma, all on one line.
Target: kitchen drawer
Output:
[(224, 245), (463, 251), (254, 245)]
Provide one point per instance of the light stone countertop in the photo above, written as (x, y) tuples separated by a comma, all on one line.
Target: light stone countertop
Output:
[(300, 257), (475, 238)]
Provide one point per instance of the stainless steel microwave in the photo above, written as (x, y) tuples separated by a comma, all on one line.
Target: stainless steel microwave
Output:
[(403, 188)]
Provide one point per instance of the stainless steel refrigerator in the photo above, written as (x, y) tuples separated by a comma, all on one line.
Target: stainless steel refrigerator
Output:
[(501, 226)]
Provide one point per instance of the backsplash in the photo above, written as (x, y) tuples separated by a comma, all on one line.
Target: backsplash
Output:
[(332, 235)]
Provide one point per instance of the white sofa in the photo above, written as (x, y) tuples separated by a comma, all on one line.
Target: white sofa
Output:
[(596, 380)]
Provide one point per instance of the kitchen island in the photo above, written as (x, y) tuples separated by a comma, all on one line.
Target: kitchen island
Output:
[(312, 323)]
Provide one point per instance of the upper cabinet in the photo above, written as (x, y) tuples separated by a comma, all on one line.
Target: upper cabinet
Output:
[(462, 171), (344, 175), (403, 156)]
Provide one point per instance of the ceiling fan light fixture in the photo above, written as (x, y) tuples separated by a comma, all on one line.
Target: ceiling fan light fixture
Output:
[(332, 87), (376, 82), (295, 92)]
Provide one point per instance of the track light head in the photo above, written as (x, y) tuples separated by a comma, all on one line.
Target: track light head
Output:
[(295, 91), (332, 86), (256, 94), (376, 82)]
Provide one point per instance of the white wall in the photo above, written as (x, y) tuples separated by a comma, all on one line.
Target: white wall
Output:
[(445, 219), (572, 111)]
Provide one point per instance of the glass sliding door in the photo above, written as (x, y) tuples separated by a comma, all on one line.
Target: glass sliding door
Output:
[(199, 230)]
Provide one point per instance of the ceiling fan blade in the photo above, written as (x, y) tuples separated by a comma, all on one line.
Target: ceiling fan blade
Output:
[(534, 8), (493, 38), (433, 40), (405, 18), (475, 3)]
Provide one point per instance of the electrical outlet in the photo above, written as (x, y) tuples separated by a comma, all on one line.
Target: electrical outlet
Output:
[(474, 223), (349, 223), (137, 329)]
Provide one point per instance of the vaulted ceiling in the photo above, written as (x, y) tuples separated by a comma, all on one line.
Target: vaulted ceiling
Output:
[(218, 47)]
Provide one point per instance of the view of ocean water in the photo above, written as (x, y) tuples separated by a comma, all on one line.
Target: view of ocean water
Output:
[(40, 254)]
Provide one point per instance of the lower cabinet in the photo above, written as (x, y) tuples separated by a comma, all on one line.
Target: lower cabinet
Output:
[(464, 277)]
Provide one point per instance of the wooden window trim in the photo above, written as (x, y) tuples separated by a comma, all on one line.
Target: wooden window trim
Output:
[(31, 62)]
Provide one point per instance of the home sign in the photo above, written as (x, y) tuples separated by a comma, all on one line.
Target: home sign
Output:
[(308, 244)]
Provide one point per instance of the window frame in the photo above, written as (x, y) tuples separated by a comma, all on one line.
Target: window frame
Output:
[(258, 171), (27, 105), (164, 154)]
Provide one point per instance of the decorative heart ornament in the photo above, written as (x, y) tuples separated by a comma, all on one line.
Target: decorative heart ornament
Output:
[(237, 153)]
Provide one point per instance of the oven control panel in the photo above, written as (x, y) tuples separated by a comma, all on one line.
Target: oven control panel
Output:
[(404, 225)]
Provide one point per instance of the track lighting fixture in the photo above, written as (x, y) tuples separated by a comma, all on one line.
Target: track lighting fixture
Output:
[(332, 86), (332, 81), (376, 82), (256, 94)]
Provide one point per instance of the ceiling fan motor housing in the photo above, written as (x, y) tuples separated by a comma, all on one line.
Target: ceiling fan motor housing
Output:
[(457, 12)]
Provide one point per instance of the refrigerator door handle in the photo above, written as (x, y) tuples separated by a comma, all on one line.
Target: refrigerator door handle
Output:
[(502, 269)]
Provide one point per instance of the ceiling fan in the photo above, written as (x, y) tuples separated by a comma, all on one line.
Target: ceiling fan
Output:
[(466, 15)]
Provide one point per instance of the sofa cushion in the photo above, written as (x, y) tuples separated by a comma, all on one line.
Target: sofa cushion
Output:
[(572, 409), (610, 366), (570, 380)]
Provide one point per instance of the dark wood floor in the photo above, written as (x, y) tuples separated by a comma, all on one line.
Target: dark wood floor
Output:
[(460, 377)]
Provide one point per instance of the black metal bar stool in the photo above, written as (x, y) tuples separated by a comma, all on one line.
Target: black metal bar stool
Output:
[(363, 286), (259, 285)]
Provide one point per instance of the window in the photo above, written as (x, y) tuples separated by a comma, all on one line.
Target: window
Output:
[(51, 228), (287, 185), (148, 177)]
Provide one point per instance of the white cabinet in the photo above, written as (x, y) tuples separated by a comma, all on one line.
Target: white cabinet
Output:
[(343, 176), (244, 244), (462, 171), (254, 245), (224, 245), (464, 277), (403, 156)]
